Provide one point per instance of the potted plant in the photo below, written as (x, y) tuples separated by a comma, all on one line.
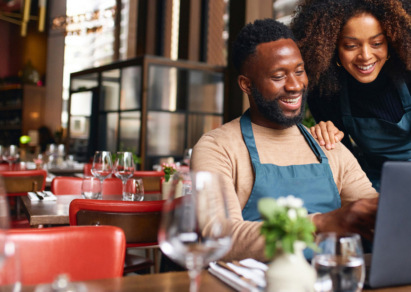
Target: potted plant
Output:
[(287, 231)]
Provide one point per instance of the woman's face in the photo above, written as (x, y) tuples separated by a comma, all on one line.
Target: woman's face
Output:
[(362, 47)]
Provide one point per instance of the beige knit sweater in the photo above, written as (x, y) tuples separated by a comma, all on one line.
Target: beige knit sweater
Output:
[(223, 151)]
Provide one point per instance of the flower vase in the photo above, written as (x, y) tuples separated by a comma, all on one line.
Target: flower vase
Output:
[(166, 187), (290, 272)]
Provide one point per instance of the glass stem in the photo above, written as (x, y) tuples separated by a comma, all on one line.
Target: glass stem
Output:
[(101, 187), (124, 189), (195, 278)]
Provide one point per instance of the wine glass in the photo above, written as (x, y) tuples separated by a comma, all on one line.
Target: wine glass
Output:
[(11, 155), (102, 166), (339, 262), (195, 227), (187, 156), (124, 169), (134, 189)]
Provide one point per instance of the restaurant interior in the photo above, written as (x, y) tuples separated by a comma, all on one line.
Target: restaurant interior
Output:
[(101, 103)]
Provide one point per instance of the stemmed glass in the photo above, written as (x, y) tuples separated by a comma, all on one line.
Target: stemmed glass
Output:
[(195, 227), (339, 262), (11, 155), (124, 169), (102, 166)]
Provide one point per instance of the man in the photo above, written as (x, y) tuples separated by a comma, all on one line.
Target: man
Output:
[(268, 153)]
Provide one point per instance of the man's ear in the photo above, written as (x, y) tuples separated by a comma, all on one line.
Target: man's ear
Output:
[(245, 84)]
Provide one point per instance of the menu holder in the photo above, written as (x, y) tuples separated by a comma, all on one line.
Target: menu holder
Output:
[(245, 275)]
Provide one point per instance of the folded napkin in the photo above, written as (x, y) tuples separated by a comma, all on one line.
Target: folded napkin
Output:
[(246, 275), (47, 196)]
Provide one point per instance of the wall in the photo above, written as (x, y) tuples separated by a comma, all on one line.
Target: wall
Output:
[(55, 64), (4, 49)]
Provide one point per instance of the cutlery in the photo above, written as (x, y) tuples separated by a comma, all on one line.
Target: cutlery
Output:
[(39, 196), (227, 267)]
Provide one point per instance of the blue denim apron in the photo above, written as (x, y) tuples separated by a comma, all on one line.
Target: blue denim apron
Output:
[(313, 183), (379, 140)]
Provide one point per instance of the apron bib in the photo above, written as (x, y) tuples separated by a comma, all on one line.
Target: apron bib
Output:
[(377, 139), (313, 183)]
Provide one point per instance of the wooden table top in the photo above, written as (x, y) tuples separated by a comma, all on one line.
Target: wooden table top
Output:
[(57, 212), (172, 282)]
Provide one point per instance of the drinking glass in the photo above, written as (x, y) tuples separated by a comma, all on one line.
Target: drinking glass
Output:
[(91, 188), (124, 168), (134, 190), (195, 227), (10, 268), (11, 155), (102, 166), (4, 222), (339, 262), (187, 156)]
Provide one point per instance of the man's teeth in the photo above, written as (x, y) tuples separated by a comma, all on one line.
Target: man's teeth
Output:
[(292, 100), (365, 67)]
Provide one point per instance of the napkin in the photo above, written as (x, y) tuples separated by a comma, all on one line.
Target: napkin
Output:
[(48, 196), (248, 268)]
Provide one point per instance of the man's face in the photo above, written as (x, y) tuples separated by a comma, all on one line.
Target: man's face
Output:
[(278, 83)]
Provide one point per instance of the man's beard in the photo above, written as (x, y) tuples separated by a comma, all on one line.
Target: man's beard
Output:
[(272, 111)]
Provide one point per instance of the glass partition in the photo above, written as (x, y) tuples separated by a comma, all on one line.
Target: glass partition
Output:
[(152, 106)]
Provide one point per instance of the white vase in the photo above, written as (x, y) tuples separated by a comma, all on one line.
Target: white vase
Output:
[(166, 187), (290, 272)]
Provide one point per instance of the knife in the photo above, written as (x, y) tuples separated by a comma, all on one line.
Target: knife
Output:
[(39, 196)]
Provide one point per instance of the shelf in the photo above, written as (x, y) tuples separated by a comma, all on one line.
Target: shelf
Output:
[(17, 127), (11, 108)]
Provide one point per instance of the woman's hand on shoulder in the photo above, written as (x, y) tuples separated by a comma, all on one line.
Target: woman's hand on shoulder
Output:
[(327, 134)]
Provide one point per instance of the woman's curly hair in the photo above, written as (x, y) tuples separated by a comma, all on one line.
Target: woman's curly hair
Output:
[(317, 25)]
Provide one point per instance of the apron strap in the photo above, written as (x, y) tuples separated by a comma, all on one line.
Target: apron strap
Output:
[(313, 144), (404, 93), (248, 136)]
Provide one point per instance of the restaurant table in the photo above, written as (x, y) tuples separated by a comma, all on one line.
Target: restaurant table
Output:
[(171, 282), (40, 213)]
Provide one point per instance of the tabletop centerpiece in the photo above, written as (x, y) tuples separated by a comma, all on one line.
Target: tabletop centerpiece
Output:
[(169, 169), (287, 231)]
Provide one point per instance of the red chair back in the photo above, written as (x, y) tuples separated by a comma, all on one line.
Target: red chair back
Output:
[(83, 252), (140, 221), (151, 180), (18, 183), (87, 169), (67, 185)]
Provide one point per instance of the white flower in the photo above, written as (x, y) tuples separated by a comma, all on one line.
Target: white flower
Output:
[(281, 201), (293, 202), (302, 212), (292, 214)]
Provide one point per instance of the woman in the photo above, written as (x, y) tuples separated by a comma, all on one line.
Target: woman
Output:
[(357, 55)]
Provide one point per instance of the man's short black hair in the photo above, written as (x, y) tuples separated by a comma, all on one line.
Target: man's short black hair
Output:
[(253, 34)]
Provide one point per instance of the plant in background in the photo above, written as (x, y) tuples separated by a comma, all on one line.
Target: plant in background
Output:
[(169, 170), (285, 221)]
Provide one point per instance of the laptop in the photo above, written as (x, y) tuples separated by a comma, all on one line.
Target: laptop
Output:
[(391, 257)]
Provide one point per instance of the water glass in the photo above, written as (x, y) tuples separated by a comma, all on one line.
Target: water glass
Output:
[(91, 188), (339, 263), (134, 190)]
